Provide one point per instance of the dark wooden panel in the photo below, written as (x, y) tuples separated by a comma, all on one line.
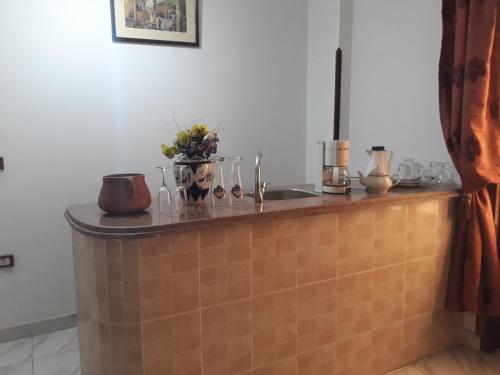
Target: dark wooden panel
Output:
[(488, 328)]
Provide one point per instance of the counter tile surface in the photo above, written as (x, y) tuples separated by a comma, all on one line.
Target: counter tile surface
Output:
[(354, 291)]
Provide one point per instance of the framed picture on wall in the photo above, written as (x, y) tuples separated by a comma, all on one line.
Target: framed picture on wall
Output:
[(173, 22)]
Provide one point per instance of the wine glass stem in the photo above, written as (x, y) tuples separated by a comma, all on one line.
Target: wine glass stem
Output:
[(163, 175)]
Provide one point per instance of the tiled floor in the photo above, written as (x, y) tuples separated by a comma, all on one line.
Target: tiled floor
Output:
[(457, 361), (57, 354), (51, 354)]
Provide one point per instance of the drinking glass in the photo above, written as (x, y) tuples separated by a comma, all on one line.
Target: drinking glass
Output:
[(432, 173), (236, 197), (180, 193), (417, 170), (219, 198), (410, 169), (404, 170), (164, 196), (441, 172), (453, 176)]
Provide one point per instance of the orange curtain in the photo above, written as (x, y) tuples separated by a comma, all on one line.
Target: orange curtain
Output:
[(469, 105)]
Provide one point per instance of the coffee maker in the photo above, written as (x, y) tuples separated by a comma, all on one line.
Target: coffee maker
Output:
[(332, 175)]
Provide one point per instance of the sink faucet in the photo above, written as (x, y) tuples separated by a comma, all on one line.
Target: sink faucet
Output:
[(260, 187)]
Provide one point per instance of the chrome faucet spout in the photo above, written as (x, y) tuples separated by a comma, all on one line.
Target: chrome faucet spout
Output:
[(259, 189)]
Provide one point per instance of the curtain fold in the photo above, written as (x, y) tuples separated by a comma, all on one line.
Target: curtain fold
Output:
[(469, 106)]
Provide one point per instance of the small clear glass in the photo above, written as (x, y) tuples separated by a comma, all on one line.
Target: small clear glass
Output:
[(404, 170), (441, 176), (432, 173), (451, 172), (410, 169), (180, 193), (218, 194), (164, 196), (236, 196), (417, 170)]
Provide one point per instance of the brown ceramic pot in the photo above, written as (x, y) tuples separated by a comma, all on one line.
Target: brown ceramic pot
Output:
[(124, 194)]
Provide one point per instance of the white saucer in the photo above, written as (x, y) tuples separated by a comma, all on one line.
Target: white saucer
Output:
[(410, 182)]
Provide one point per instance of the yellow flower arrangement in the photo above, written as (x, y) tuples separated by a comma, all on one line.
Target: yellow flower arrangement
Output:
[(169, 151), (184, 138), (199, 130), (195, 142)]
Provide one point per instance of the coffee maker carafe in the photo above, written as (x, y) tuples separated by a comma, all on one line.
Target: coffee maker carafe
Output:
[(333, 172)]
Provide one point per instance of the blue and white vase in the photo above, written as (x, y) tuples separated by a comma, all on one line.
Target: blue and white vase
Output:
[(197, 177)]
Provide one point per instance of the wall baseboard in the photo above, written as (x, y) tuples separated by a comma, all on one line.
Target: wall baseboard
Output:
[(37, 328)]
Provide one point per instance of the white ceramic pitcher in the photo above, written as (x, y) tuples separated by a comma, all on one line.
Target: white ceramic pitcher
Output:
[(380, 159)]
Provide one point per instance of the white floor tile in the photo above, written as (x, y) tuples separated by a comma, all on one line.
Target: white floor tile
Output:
[(57, 342), (493, 360), (459, 361), (15, 352), (407, 371), (23, 368), (65, 363), (477, 363), (57, 354)]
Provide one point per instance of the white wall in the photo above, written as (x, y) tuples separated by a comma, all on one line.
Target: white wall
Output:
[(322, 43), (394, 87), (74, 106)]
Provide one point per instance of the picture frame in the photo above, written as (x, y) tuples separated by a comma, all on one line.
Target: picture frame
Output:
[(162, 22)]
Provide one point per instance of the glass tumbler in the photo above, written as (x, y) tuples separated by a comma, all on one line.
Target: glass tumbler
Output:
[(417, 170), (432, 174), (219, 198), (441, 172), (180, 193), (164, 196), (404, 170), (453, 177), (236, 197)]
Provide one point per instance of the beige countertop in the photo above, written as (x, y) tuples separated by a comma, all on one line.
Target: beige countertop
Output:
[(90, 220)]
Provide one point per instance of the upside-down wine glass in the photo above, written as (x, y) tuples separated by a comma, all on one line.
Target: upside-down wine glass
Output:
[(164, 196), (219, 198), (236, 186), (180, 193)]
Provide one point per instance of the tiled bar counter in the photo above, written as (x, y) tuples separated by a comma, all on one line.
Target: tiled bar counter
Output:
[(326, 285)]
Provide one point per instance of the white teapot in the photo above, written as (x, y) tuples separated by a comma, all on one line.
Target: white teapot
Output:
[(378, 181)]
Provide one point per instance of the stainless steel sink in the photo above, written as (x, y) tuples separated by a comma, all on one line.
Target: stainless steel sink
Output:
[(285, 194)]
